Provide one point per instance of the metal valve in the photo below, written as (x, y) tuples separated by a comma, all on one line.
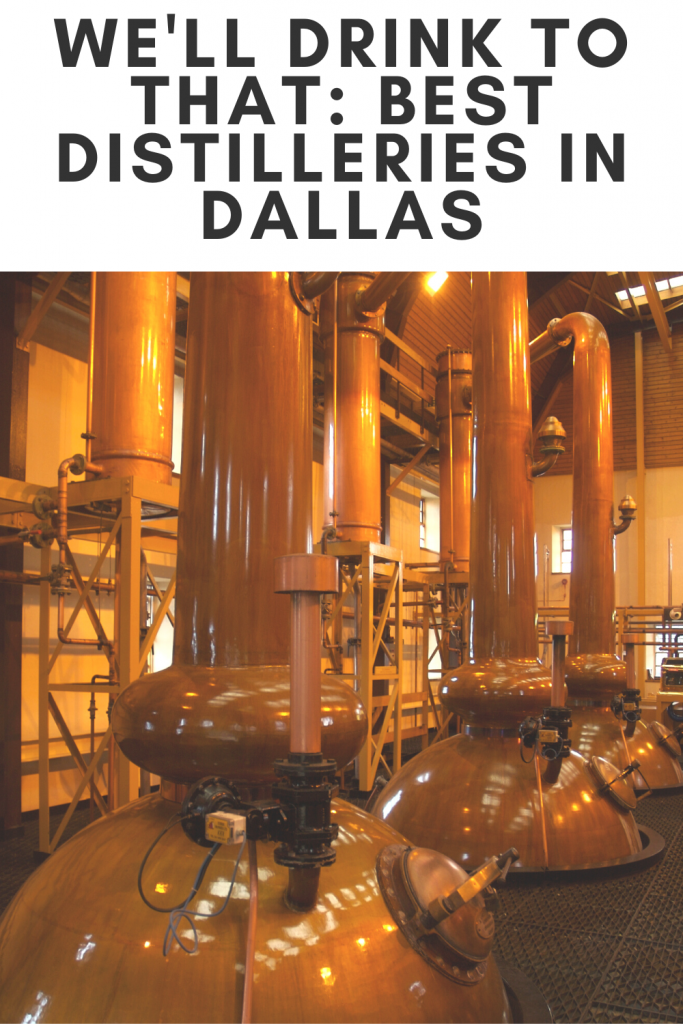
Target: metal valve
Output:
[(550, 731), (60, 579), (626, 705), (489, 872)]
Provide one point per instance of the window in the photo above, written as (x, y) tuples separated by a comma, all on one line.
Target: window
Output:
[(566, 551), (668, 288), (423, 525)]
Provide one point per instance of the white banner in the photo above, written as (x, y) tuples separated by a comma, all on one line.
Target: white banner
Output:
[(141, 134)]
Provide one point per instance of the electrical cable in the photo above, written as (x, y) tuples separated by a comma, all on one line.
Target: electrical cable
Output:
[(180, 911), (521, 754)]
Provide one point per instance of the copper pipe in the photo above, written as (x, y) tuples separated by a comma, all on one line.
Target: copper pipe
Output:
[(91, 359), (302, 889), (539, 787), (17, 538), (369, 300), (328, 337), (454, 416), (629, 642), (305, 577), (557, 335), (592, 590), (250, 952), (77, 464), (504, 680), (592, 598), (317, 284), (559, 630), (132, 376), (305, 734)]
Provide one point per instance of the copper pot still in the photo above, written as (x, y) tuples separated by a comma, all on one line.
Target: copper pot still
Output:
[(595, 676), (223, 708), (553, 812)]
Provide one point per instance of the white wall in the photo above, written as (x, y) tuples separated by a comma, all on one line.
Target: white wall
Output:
[(663, 520)]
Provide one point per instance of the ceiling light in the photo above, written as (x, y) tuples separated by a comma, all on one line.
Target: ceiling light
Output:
[(435, 280)]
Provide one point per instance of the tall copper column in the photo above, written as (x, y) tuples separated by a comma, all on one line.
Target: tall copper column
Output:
[(591, 658), (454, 416), (474, 791), (357, 446), (132, 383), (245, 498), (594, 674)]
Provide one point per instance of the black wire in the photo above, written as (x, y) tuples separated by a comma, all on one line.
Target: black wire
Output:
[(177, 915), (180, 911), (521, 753), (169, 826)]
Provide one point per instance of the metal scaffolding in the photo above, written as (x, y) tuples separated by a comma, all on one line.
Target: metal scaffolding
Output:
[(117, 508)]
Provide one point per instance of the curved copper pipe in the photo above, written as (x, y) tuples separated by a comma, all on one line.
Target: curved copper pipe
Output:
[(316, 284), (370, 300), (592, 597), (557, 335)]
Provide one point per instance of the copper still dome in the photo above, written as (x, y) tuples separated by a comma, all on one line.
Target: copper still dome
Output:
[(96, 951)]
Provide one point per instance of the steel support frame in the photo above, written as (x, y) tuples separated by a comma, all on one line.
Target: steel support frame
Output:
[(130, 495), (379, 570)]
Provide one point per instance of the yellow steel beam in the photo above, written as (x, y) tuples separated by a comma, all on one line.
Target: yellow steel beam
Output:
[(161, 612), (406, 469), (384, 614), (95, 574), (73, 750), (94, 761)]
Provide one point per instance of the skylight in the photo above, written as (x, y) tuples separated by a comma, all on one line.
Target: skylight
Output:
[(668, 288)]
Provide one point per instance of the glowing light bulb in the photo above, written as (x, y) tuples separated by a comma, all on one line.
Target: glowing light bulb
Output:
[(435, 280)]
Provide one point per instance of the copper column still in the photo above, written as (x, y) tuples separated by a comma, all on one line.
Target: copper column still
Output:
[(224, 709), (245, 498), (596, 678), (352, 457), (132, 381), (552, 812)]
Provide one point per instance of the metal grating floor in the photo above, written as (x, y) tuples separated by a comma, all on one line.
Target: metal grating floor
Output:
[(607, 949), (599, 950)]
